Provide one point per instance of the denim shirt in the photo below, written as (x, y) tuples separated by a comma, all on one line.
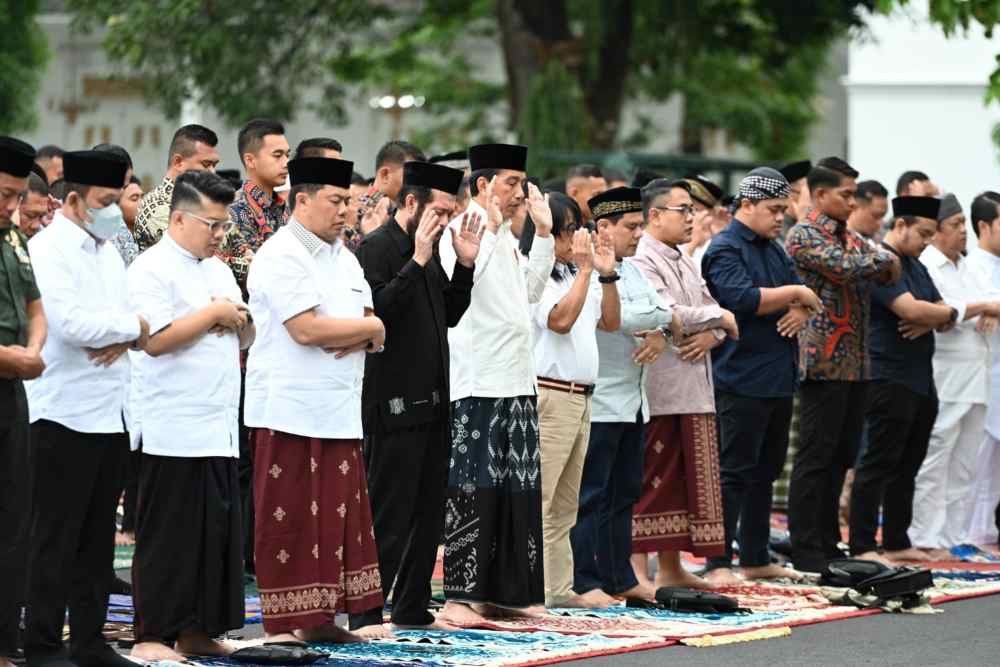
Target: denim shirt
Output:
[(762, 363)]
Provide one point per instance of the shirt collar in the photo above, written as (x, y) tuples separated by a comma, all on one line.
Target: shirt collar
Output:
[(828, 224), (397, 234), (990, 257), (745, 232), (176, 247), (71, 233), (312, 243), (659, 248), (935, 257), (261, 198)]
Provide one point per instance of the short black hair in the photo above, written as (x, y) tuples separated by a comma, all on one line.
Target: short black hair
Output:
[(420, 193), (117, 151), (59, 189), (48, 152), (314, 147), (644, 176), (135, 179), (37, 170), (358, 179), (185, 138), (231, 175), (474, 177), (309, 189), (655, 189), (192, 187), (984, 209), (584, 171), (829, 173), (398, 151), (554, 185), (909, 177), (37, 185), (869, 190), (251, 136)]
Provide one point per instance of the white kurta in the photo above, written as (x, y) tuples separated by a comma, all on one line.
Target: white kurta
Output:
[(491, 348), (83, 289), (570, 357), (184, 403), (942, 500)]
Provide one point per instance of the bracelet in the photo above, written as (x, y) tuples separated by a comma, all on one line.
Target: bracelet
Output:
[(666, 332), (606, 280)]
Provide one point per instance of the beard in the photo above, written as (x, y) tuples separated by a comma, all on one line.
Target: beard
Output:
[(414, 221)]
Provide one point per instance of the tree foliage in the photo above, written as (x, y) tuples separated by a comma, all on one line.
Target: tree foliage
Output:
[(23, 55)]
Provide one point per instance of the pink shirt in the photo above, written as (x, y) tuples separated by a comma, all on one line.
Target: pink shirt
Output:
[(674, 386)]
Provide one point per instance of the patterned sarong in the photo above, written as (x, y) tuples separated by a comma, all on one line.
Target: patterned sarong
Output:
[(681, 504), (493, 512), (315, 547)]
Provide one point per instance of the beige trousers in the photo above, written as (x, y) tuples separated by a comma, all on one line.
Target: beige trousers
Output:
[(563, 431)]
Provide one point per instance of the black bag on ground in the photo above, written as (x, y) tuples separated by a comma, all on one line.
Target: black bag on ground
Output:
[(897, 582), (849, 572), (688, 599), (277, 654)]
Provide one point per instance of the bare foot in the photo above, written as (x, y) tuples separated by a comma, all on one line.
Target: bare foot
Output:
[(369, 632), (723, 576), (641, 591), (495, 611), (938, 554), (593, 599), (283, 638), (682, 579), (640, 565), (147, 652), (4, 662), (875, 556), (460, 614), (331, 633), (198, 643), (910, 554), (770, 571), (436, 625), (124, 539)]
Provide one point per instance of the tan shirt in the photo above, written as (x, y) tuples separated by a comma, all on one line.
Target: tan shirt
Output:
[(674, 386)]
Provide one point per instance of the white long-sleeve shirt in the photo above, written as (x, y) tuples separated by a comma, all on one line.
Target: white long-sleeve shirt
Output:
[(85, 298), (491, 348), (987, 266)]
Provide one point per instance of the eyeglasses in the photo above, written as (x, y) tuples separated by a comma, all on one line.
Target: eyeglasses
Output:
[(686, 209), (215, 225)]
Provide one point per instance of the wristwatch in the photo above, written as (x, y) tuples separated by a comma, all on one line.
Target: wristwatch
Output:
[(605, 280), (954, 316), (667, 333)]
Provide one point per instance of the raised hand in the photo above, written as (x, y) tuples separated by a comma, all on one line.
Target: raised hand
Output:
[(375, 216), (583, 250), (466, 241), (538, 207), (428, 230), (604, 252), (493, 212)]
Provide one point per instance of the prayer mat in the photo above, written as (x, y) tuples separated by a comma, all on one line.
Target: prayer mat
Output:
[(472, 647), (121, 610)]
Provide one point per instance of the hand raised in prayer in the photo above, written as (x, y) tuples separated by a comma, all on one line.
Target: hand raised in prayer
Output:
[(428, 230), (466, 240), (494, 216), (604, 252), (583, 250), (375, 216), (792, 322), (229, 315), (911, 330), (987, 324), (26, 364), (653, 345), (701, 231), (729, 324), (538, 208), (695, 347), (105, 356)]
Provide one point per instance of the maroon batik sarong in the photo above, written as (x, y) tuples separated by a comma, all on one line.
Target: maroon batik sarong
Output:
[(681, 504), (314, 543)]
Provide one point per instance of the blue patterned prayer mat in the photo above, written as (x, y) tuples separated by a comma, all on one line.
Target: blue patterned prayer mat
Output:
[(474, 648), (121, 610)]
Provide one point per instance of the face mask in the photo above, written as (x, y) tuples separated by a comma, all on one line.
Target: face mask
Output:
[(104, 222)]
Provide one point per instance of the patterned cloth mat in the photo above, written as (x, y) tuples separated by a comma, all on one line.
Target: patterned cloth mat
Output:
[(471, 647)]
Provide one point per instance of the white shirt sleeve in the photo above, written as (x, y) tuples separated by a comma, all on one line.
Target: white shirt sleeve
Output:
[(288, 285), (551, 294), (149, 295), (538, 268)]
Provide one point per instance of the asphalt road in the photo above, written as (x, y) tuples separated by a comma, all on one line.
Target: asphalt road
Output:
[(967, 633)]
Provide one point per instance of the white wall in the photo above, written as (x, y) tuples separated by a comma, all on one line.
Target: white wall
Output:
[(915, 101)]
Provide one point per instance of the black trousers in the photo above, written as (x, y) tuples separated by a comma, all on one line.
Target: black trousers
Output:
[(832, 416), (15, 510), (76, 480), (753, 442), (899, 429), (245, 474), (188, 566), (407, 478)]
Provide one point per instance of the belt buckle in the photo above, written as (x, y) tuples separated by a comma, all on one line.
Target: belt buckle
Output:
[(572, 387)]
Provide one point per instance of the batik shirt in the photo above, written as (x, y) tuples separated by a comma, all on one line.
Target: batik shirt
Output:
[(839, 266), (125, 243), (153, 215), (256, 217)]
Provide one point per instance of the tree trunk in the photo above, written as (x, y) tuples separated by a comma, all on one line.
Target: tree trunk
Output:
[(604, 93)]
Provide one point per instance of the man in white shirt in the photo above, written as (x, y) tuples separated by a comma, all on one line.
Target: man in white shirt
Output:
[(493, 523), (942, 501), (315, 545), (76, 414), (984, 258), (572, 308), (185, 405)]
